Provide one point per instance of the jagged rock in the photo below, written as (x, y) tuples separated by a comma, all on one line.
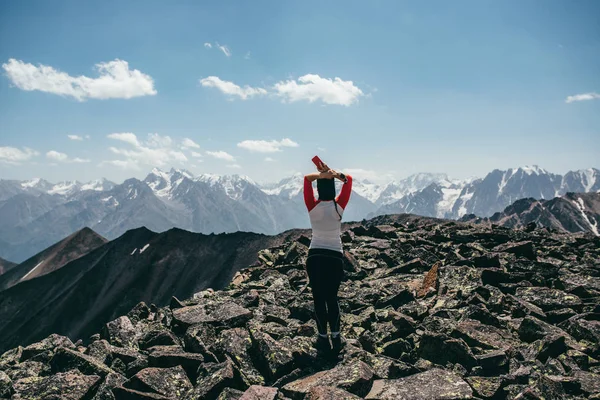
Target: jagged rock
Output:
[(440, 349), (215, 379), (188, 316), (432, 384), (71, 385), (5, 385), (547, 298), (274, 359), (122, 393), (173, 356), (329, 393), (354, 377), (493, 363), (169, 382), (237, 344), (485, 387), (520, 249), (110, 382), (157, 337), (589, 382), (231, 315), (27, 369), (44, 350), (66, 359), (260, 393), (120, 332), (140, 312), (230, 394)]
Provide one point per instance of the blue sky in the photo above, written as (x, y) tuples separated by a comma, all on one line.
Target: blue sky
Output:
[(460, 87)]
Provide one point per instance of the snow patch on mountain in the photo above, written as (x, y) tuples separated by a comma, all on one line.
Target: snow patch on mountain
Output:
[(581, 206)]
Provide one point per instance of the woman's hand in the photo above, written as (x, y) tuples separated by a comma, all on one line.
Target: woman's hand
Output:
[(323, 167), (326, 175)]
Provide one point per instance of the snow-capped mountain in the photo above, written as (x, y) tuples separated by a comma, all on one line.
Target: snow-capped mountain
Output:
[(493, 193), (37, 213)]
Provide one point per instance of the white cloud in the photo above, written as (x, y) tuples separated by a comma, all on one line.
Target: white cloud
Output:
[(125, 137), (231, 89), (88, 137), (74, 137), (221, 155), (321, 149), (12, 155), (63, 158), (224, 49), (56, 156), (155, 151), (266, 146), (196, 154), (269, 159), (309, 88), (247, 56), (115, 81), (582, 97), (208, 45), (312, 88), (235, 166), (189, 144)]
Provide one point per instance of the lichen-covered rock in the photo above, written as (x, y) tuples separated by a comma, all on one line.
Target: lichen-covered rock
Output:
[(256, 392), (120, 332), (273, 358), (354, 377), (66, 359), (441, 350), (547, 298), (44, 350), (215, 379), (237, 344), (172, 356), (72, 385), (169, 382), (5, 385), (329, 393), (432, 384), (27, 369), (484, 386)]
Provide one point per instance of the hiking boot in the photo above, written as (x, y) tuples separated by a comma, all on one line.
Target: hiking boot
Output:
[(322, 344), (338, 343)]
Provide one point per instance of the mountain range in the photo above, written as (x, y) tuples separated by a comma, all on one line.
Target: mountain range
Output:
[(35, 213), (573, 212)]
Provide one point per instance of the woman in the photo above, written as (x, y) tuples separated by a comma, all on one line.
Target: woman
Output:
[(324, 264)]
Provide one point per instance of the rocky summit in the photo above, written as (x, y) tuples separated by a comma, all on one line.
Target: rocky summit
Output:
[(432, 309)]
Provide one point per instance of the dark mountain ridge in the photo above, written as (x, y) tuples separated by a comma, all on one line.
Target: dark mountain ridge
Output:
[(53, 258), (6, 265)]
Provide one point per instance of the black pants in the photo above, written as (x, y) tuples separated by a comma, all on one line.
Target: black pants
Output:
[(325, 273)]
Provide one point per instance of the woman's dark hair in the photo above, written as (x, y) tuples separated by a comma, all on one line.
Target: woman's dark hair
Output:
[(326, 191)]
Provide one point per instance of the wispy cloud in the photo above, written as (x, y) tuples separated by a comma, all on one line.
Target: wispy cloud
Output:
[(583, 97), (266, 146), (15, 156), (234, 166), (231, 89), (78, 138), (247, 56), (208, 45), (115, 81), (310, 88), (224, 49), (63, 158), (221, 155), (155, 151), (188, 143), (269, 159)]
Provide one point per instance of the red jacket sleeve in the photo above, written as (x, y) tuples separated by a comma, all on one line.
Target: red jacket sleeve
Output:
[(344, 196), (309, 196)]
